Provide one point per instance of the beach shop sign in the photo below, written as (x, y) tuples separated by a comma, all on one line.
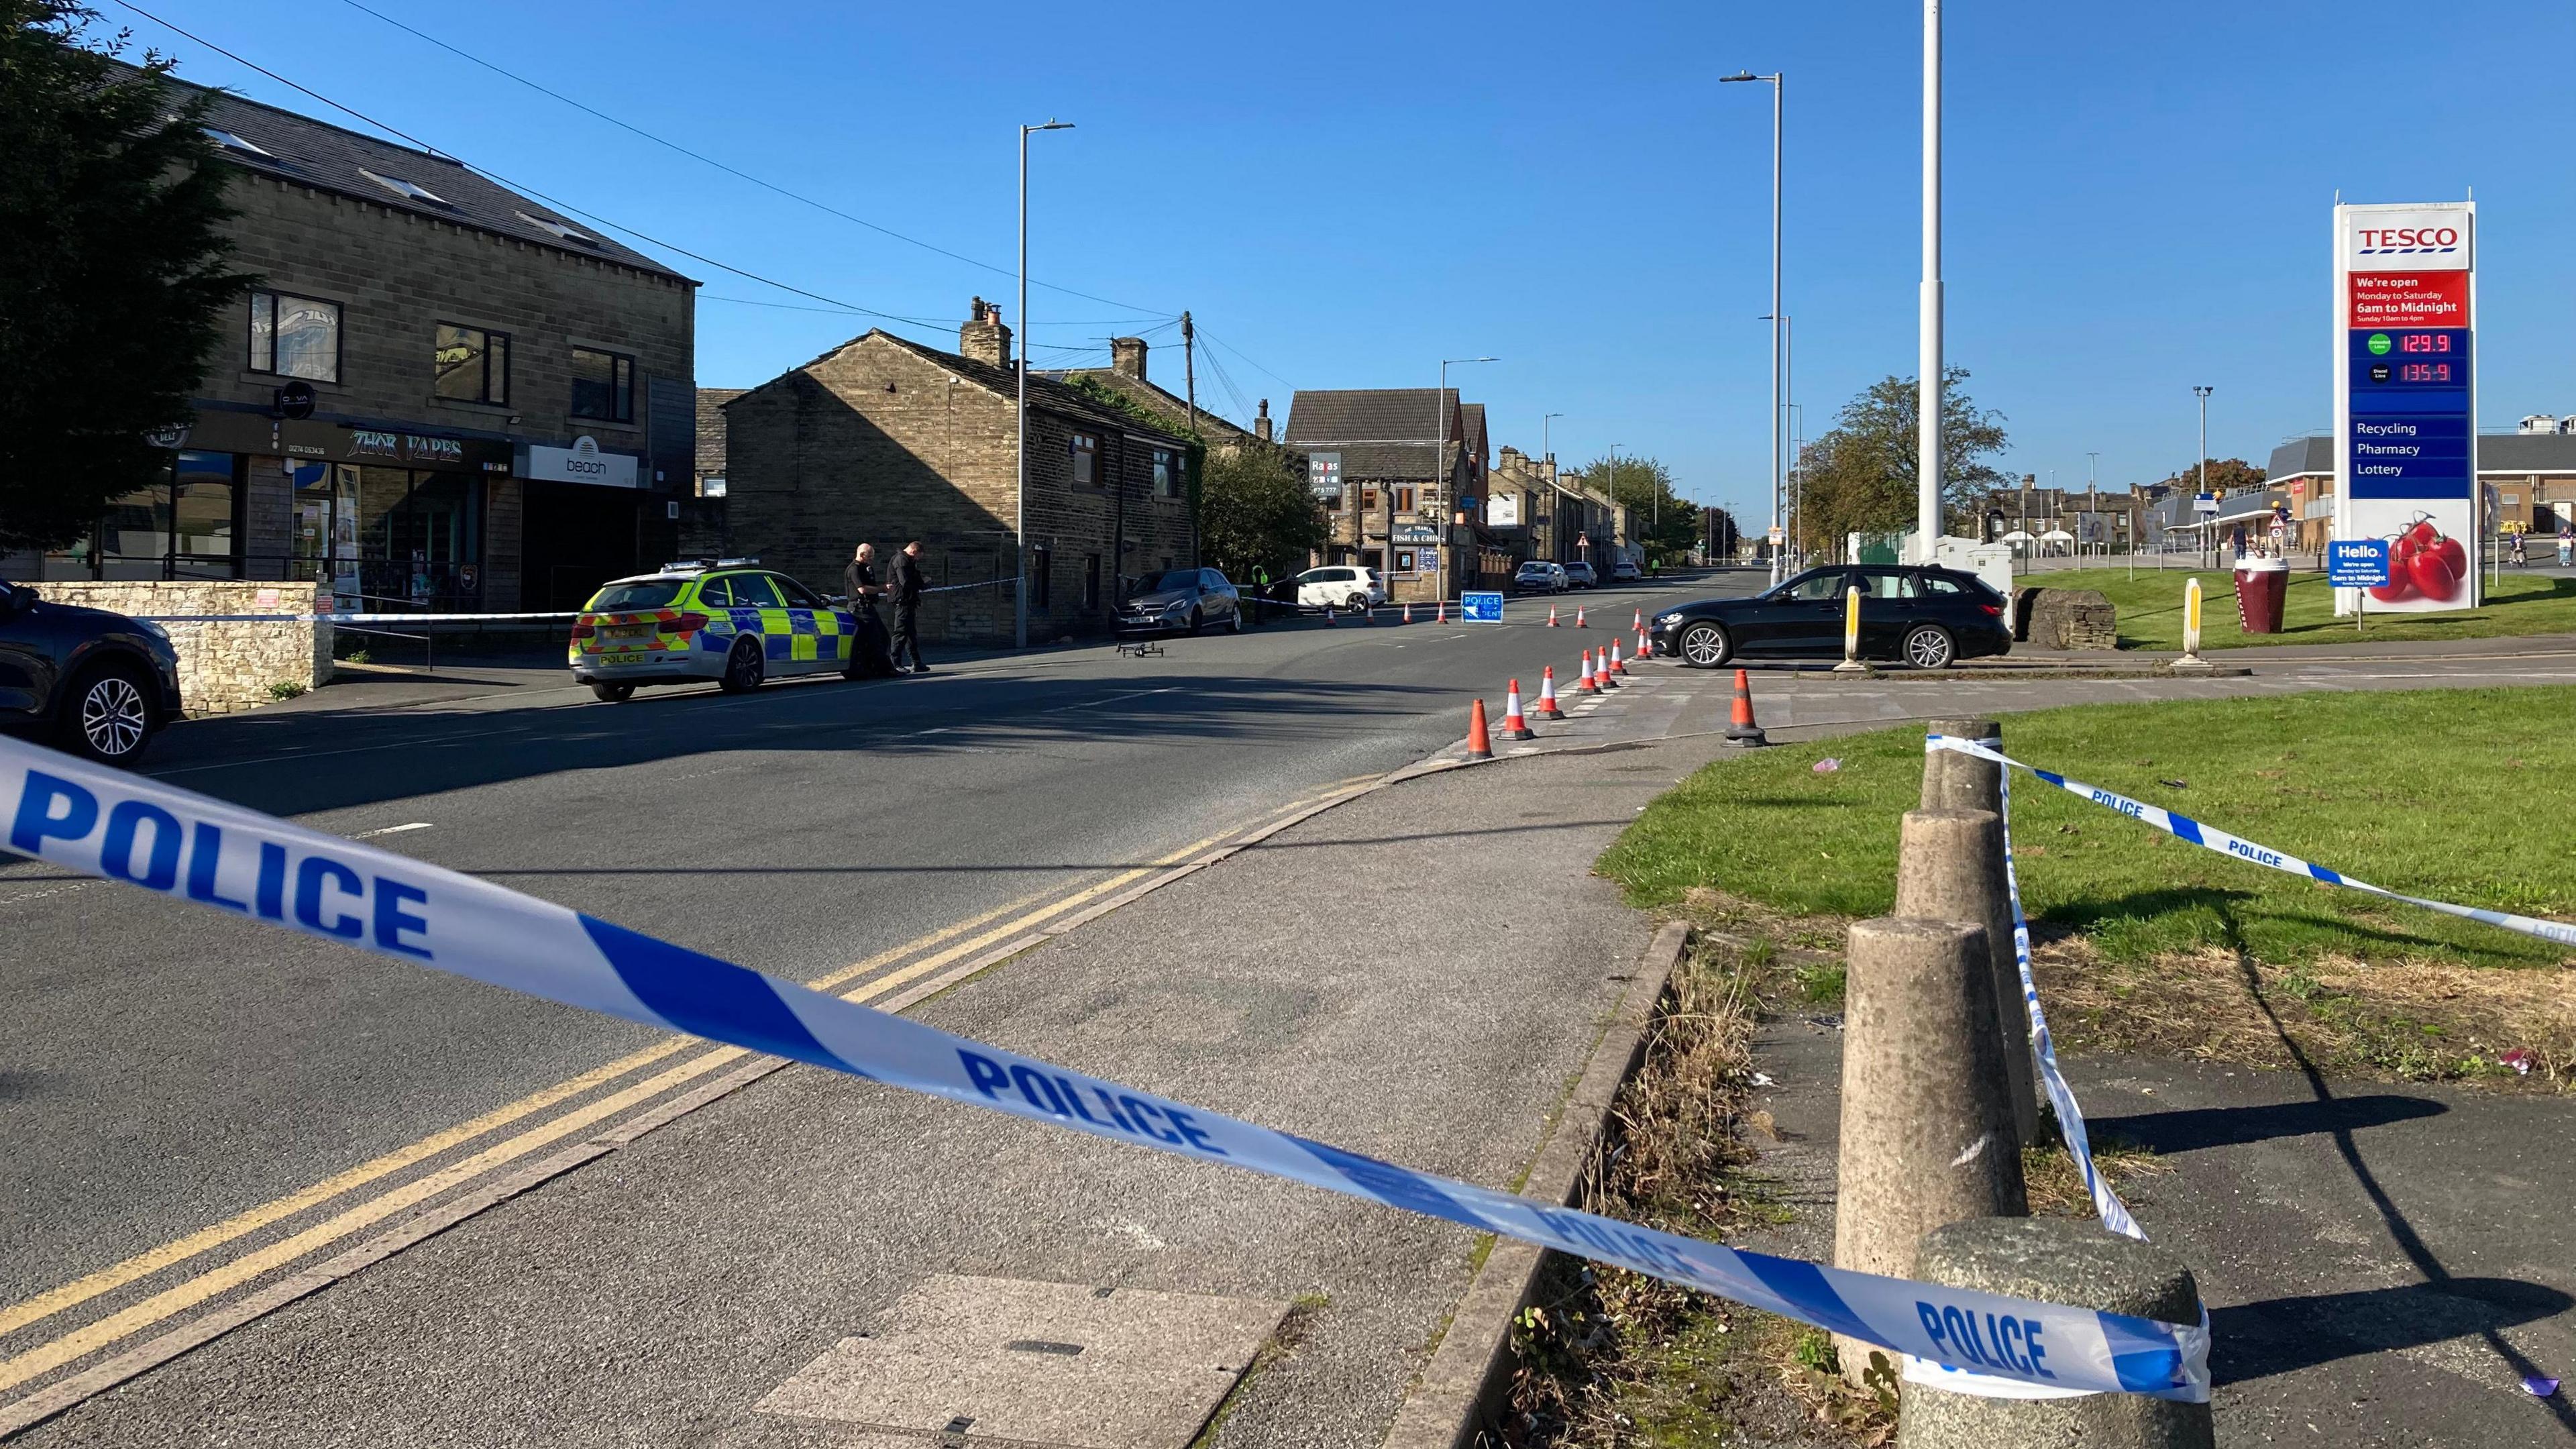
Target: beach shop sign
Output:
[(583, 462)]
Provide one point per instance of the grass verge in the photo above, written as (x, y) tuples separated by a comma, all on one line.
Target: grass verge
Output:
[(2146, 942), (2150, 610)]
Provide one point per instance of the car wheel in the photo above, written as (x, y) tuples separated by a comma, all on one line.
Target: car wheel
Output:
[(1704, 646), (1198, 621), (108, 717), (1234, 621), (1359, 604), (1928, 646), (744, 668), (613, 693)]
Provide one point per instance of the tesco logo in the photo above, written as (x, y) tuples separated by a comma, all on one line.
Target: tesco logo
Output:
[(2396, 240)]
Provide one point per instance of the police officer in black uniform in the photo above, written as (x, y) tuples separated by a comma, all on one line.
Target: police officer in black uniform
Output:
[(868, 658), (907, 608)]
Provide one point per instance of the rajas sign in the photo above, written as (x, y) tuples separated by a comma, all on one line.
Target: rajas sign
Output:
[(2406, 398)]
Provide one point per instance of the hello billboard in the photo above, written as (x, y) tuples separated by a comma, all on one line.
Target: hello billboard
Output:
[(2406, 398)]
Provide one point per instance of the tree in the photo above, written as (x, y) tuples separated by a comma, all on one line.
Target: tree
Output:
[(1659, 517), (2227, 475), (1256, 511), (111, 216), (1860, 476)]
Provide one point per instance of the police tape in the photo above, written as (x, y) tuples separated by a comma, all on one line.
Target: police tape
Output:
[(339, 618), (117, 826), (2183, 827)]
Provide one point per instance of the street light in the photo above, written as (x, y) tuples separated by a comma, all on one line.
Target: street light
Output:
[(1545, 446), (2203, 393), (1779, 90), (1614, 495), (1439, 449), (1020, 442), (1929, 386)]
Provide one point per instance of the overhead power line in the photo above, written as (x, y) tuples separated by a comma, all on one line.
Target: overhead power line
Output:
[(731, 170), (499, 180)]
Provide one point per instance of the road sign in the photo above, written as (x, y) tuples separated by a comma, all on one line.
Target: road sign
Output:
[(1324, 474), (2406, 399), (2204, 503), (2357, 563), (1480, 608)]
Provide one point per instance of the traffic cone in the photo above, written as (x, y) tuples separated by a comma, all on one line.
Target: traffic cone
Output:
[(1408, 613), (1604, 673), (1480, 746), (1618, 666), (1641, 621), (1546, 707), (1741, 730), (1551, 617), (1515, 727), (1578, 617), (1645, 646), (1444, 613), (1588, 684), (1329, 621)]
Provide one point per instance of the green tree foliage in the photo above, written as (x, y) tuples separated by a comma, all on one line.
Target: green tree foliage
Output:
[(1255, 511), (1860, 476), (2227, 475), (111, 214), (1658, 515)]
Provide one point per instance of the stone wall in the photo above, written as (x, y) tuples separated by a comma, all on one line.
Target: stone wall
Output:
[(222, 667), (2065, 619)]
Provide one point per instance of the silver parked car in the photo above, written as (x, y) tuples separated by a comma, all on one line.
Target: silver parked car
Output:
[(1190, 599)]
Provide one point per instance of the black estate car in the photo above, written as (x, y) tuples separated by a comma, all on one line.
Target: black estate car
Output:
[(92, 682), (1928, 617)]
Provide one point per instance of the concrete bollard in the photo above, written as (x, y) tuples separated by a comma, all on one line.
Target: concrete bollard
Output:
[(1953, 781), (1926, 1134), (1950, 867), (2057, 1260)]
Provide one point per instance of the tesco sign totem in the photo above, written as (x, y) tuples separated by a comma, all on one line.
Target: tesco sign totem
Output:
[(2406, 399)]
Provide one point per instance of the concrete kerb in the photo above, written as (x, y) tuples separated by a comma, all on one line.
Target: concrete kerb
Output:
[(1447, 1405)]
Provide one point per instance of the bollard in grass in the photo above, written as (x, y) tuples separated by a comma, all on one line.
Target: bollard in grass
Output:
[(1927, 1132), (1950, 867), (2060, 1260)]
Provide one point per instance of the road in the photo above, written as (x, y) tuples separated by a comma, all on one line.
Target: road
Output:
[(195, 1104)]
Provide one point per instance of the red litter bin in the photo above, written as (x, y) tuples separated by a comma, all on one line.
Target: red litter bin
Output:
[(2261, 586)]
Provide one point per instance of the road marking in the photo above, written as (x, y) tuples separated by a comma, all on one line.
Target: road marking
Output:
[(1113, 699), (391, 830)]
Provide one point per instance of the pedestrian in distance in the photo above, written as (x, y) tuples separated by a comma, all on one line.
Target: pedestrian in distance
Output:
[(2566, 545), (868, 657), (2521, 554), (906, 590), (2240, 540), (1260, 594)]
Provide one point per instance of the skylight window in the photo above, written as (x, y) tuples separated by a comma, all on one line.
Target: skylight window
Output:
[(559, 229), (231, 142), (408, 190)]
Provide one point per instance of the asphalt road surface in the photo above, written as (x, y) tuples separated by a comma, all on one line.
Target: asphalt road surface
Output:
[(180, 1092)]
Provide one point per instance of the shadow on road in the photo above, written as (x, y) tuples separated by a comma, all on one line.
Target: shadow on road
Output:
[(2284, 1335), (2190, 1131)]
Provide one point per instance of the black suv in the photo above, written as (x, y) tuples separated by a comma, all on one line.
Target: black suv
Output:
[(93, 682), (1928, 617)]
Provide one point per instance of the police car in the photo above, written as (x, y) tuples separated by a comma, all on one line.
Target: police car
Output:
[(728, 620)]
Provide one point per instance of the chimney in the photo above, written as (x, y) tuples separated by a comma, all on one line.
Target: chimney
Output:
[(1127, 357), (984, 338), (1261, 424)]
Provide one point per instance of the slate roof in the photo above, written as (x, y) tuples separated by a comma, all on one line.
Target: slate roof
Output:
[(1381, 432), (1045, 392), (307, 152), (2301, 455), (1168, 405), (711, 428), (1473, 430)]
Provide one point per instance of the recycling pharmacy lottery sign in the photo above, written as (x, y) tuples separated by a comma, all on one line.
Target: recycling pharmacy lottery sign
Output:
[(2406, 398)]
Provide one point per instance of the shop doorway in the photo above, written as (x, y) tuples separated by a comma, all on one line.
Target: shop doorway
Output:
[(576, 538)]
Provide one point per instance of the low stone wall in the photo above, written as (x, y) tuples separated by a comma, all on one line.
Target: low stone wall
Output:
[(2065, 619), (222, 667)]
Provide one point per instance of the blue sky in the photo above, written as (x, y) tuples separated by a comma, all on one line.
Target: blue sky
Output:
[(1345, 194)]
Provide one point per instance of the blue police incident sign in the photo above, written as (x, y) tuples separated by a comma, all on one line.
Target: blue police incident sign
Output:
[(1481, 608), (2357, 563)]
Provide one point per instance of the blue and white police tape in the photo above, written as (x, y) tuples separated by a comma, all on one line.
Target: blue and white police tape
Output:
[(399, 618), (106, 823), (2182, 827)]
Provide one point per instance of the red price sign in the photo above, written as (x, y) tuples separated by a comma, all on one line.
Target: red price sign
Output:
[(2409, 299)]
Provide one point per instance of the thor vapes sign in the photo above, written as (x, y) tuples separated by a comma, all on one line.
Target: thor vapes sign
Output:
[(2406, 397)]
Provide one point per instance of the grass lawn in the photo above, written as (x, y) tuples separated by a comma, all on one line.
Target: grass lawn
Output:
[(2150, 609), (2458, 795)]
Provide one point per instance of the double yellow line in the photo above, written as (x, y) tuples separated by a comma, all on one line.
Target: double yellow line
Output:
[(956, 942)]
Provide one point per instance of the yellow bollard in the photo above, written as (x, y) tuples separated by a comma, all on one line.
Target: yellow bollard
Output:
[(1851, 634), (2190, 628)]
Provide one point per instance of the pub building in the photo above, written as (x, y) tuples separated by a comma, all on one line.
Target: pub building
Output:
[(438, 395)]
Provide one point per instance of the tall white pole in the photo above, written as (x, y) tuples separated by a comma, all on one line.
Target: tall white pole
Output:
[(1779, 90), (1020, 432), (1927, 509)]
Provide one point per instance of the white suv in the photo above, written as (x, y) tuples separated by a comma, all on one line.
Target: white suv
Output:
[(1340, 586)]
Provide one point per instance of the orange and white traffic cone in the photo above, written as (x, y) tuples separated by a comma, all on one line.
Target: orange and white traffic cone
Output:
[(1480, 746), (1551, 617), (1444, 613), (1741, 730), (1588, 684), (1618, 666), (1408, 613), (1641, 621), (1645, 646), (1329, 621), (1514, 726), (1578, 618), (1605, 672), (1546, 706)]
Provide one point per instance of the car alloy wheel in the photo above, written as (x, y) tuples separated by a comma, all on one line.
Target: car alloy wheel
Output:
[(1198, 621), (1703, 646), (113, 717), (744, 668), (1928, 646), (1359, 604)]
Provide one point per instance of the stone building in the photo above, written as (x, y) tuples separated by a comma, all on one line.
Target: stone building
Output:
[(1533, 511), (438, 393), (882, 440), (1409, 458)]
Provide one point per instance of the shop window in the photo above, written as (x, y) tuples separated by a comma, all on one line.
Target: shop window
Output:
[(1086, 460), (472, 364), (294, 336), (603, 385), (1368, 500), (204, 504), (1404, 500), (1167, 473)]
